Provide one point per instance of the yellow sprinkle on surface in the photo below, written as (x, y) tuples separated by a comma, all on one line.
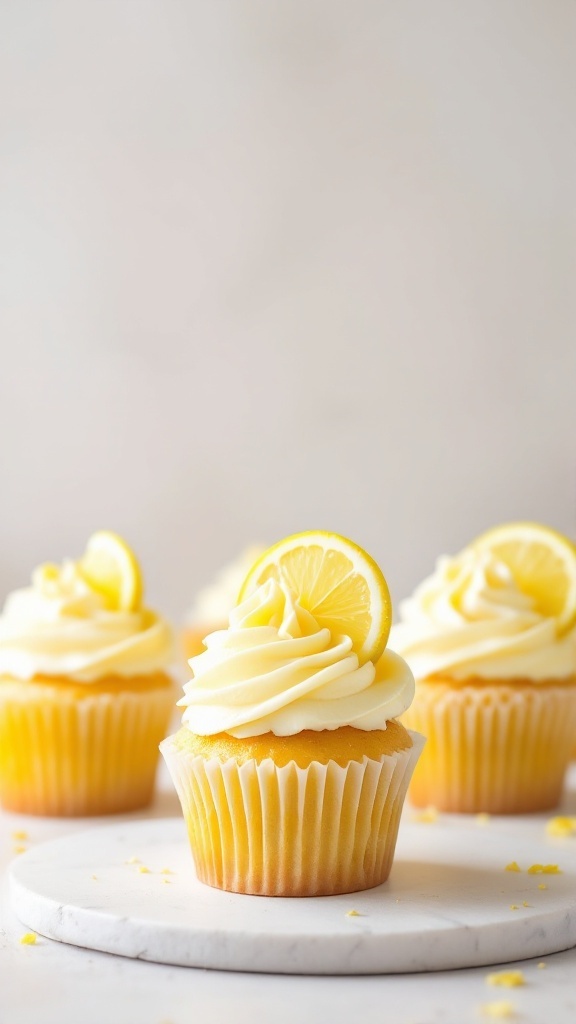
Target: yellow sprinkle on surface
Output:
[(143, 869), (542, 885), (563, 827), (427, 816), (28, 939), (544, 869), (508, 979), (482, 819), (166, 881), (514, 906), (132, 860), (94, 878), (499, 1010), (19, 849), (21, 835), (542, 966), (524, 904), (353, 913), (166, 871), (513, 866)]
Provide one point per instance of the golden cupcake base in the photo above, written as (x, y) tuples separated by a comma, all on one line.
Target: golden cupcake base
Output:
[(69, 749), (496, 746), (279, 829)]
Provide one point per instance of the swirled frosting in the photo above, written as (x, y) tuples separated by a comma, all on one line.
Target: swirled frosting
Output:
[(61, 627), (275, 670), (470, 619)]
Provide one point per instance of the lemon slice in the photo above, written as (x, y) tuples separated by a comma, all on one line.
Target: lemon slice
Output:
[(543, 564), (111, 567), (336, 581)]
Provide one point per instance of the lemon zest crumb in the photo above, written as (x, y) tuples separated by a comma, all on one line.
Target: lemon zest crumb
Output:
[(427, 816), (561, 826), (94, 878), (482, 818), (167, 881), (508, 979), (353, 913), (20, 835), (514, 906), (19, 849), (513, 866), (541, 966), (132, 860), (524, 904), (166, 871), (28, 939), (500, 1009), (544, 869), (542, 885), (143, 870)]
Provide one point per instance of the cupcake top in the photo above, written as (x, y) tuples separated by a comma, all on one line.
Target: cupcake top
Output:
[(476, 617), (277, 668), (213, 603), (84, 620)]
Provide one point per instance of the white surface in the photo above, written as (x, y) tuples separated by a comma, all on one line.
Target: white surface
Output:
[(267, 266), (50, 983), (446, 905)]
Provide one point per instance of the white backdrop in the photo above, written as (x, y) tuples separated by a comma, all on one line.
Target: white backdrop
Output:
[(269, 265)]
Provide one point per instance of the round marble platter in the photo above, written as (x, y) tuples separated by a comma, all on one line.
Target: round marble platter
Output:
[(130, 889)]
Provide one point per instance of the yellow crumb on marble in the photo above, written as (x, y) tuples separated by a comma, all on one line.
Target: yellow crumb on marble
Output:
[(513, 866), (132, 860), (427, 816), (167, 881), (28, 939), (166, 871), (544, 869), (94, 878), (563, 827), (353, 913), (18, 849), (19, 835), (482, 818), (507, 979), (542, 885), (541, 966), (143, 870), (514, 906), (499, 1010)]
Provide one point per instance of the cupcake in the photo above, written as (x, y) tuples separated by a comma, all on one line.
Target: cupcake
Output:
[(488, 637), (291, 766), (213, 603), (85, 697)]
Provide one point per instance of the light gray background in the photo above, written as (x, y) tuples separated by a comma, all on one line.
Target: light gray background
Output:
[(268, 266)]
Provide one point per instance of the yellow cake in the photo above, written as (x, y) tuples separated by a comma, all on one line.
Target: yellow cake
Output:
[(488, 637), (85, 696), (290, 765)]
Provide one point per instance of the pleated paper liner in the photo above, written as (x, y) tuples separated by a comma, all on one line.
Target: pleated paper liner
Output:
[(498, 747), (289, 831), (66, 754)]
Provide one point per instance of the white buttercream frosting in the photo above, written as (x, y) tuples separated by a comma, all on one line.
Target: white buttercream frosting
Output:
[(470, 619), (59, 626), (275, 670), (213, 603)]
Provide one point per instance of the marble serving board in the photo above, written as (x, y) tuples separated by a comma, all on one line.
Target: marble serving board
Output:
[(130, 889)]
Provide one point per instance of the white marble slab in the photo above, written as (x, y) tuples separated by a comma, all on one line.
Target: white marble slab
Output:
[(447, 904)]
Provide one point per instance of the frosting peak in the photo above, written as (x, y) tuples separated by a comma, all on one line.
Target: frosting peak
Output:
[(61, 626), (275, 670), (470, 618)]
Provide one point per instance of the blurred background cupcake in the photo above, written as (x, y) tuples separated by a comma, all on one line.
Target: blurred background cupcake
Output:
[(85, 696), (213, 603), (490, 639)]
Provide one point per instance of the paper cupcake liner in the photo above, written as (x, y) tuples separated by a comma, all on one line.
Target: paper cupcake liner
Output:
[(63, 755), (289, 831), (500, 748)]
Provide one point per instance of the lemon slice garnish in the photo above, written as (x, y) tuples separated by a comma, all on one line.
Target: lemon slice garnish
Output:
[(109, 566), (336, 581), (543, 564)]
